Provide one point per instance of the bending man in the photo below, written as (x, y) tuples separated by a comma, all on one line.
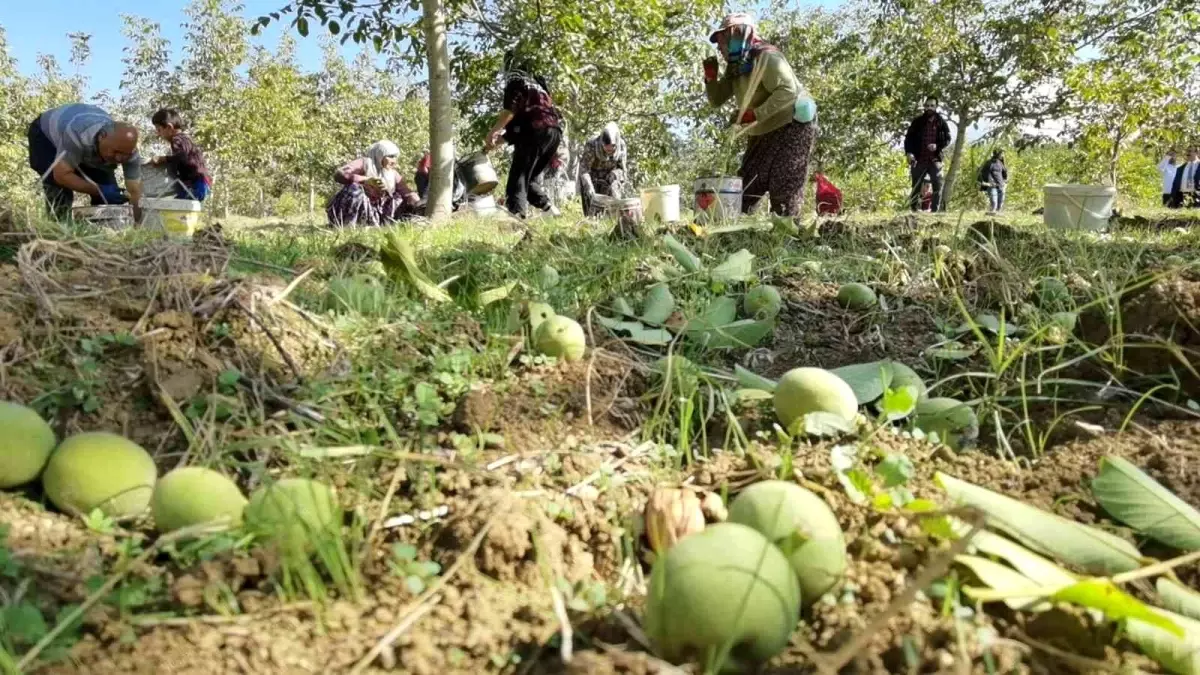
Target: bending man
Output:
[(76, 148)]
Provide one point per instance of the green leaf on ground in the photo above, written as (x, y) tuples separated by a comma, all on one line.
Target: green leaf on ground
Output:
[(1105, 596), (1178, 598), (992, 324), (496, 294), (686, 259), (636, 331), (867, 380), (401, 263), (749, 380), (622, 306), (1137, 500), (899, 403), (737, 335), (1003, 579), (659, 305), (856, 482), (1176, 654), (738, 266), (721, 311), (1088, 548), (1040, 570)]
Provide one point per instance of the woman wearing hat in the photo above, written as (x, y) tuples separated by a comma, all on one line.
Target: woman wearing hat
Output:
[(778, 113)]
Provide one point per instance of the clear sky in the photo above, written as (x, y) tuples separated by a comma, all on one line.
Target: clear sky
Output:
[(40, 27)]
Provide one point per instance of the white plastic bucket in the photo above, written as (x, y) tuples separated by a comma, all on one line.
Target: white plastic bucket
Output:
[(718, 199), (1079, 206), (482, 206), (661, 204), (157, 181), (179, 217)]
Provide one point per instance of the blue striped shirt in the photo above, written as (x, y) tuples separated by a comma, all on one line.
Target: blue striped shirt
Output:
[(75, 130)]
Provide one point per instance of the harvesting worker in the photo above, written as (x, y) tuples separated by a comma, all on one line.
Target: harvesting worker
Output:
[(603, 168), (530, 123), (185, 164), (924, 144), (373, 191), (77, 148), (775, 111)]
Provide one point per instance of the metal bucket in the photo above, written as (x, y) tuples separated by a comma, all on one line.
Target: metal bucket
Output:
[(628, 213), (718, 198), (114, 217), (477, 174)]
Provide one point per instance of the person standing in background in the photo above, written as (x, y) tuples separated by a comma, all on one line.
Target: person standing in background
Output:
[(1191, 179), (927, 138), (1169, 172), (993, 179)]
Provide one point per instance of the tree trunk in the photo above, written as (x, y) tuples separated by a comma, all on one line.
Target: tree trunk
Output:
[(441, 121), (964, 122), (1113, 158), (312, 197)]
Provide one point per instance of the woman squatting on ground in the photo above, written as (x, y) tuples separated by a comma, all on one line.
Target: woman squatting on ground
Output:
[(374, 193)]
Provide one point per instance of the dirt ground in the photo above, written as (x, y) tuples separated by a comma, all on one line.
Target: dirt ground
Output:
[(535, 539)]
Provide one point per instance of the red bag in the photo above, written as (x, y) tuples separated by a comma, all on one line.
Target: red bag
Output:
[(829, 198)]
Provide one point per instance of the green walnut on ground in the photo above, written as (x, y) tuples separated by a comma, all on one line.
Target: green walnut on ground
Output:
[(560, 337), (1052, 295), (100, 470), (26, 441), (193, 495), (807, 390), (857, 296), (802, 526), (726, 586), (763, 302), (295, 513)]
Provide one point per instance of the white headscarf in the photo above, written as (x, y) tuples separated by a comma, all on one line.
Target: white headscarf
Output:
[(611, 133), (375, 156)]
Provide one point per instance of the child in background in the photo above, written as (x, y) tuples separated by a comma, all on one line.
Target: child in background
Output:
[(186, 162)]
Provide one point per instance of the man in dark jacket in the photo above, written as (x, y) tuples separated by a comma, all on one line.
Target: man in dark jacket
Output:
[(927, 138)]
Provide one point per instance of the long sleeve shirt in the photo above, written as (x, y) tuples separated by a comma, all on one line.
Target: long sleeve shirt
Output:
[(773, 101), (1168, 169), (356, 172)]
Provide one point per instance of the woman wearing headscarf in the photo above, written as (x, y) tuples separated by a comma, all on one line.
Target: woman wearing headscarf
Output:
[(603, 168), (374, 192), (530, 123), (779, 114)]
